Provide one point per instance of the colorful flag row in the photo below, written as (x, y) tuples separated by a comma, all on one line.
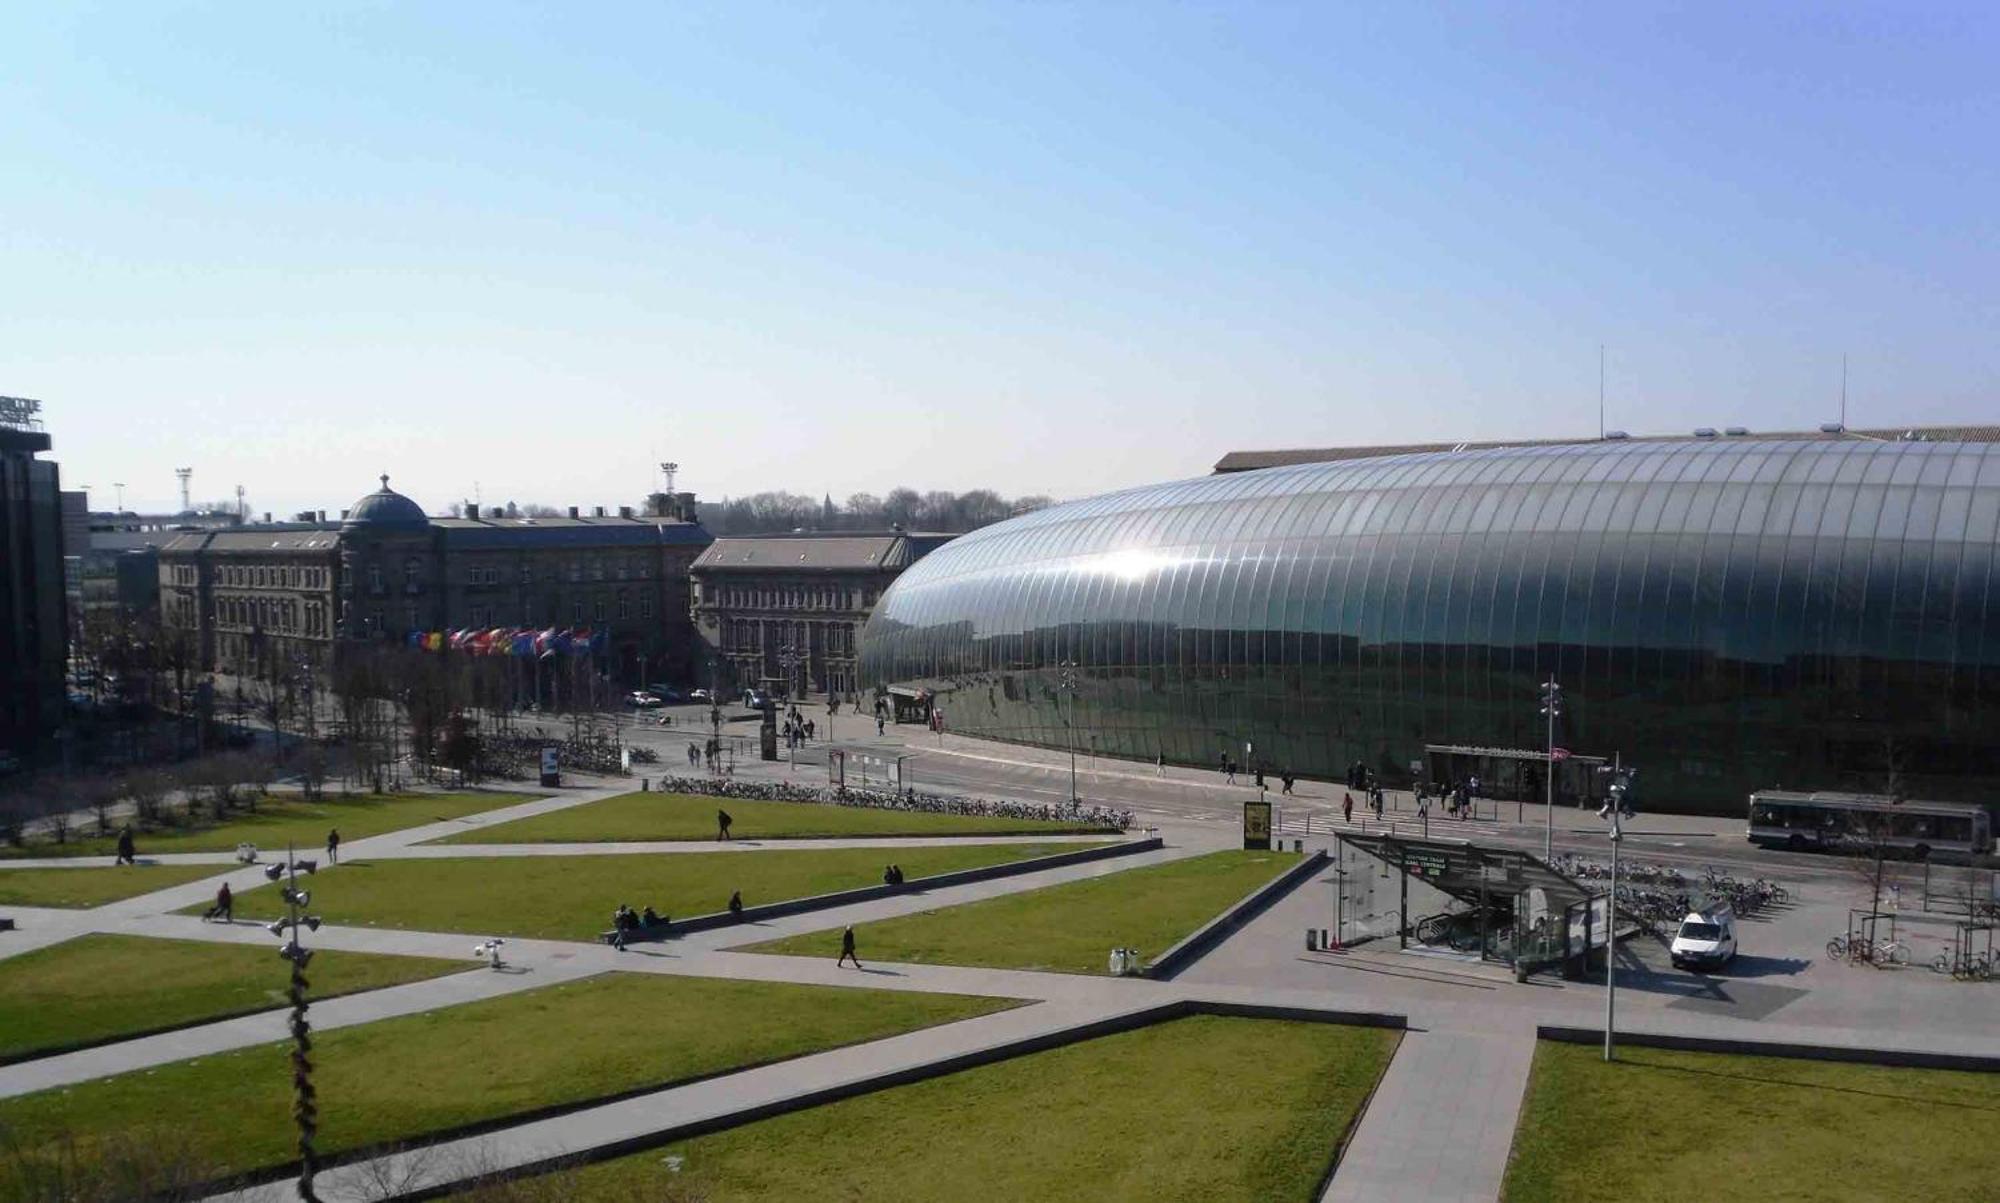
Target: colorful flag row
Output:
[(511, 641)]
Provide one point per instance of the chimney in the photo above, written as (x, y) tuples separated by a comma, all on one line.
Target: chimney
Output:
[(684, 507), (267, 517), (597, 511), (322, 515), (572, 511), (624, 511), (496, 512), (472, 509), (343, 515)]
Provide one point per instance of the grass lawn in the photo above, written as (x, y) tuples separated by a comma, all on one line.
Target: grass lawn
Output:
[(1204, 1108), (572, 897), (95, 887), (1071, 927), (1660, 1124), (653, 816), (280, 819), (98, 988), (400, 1078)]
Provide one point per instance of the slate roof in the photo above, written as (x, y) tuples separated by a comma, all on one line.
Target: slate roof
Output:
[(832, 551)]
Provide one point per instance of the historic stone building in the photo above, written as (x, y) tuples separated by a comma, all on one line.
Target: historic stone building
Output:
[(253, 600), (777, 609), (389, 573)]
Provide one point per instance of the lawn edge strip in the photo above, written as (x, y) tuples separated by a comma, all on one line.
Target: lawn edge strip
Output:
[(937, 881), (1197, 943), (1109, 1025), (278, 1173), (1346, 1140), (1853, 1054), (459, 839), (224, 1017)]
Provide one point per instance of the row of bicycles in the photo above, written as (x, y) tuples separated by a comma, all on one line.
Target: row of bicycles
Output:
[(1962, 964), (908, 800)]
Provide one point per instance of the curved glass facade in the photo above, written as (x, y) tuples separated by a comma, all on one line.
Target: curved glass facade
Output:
[(1729, 615)]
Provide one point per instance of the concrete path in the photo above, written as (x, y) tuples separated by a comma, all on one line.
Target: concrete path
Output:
[(1441, 1121), (745, 846)]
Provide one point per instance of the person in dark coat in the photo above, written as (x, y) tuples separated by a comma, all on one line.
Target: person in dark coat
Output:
[(847, 949), (722, 822), (224, 909), (127, 853), (736, 902), (333, 846), (1347, 808)]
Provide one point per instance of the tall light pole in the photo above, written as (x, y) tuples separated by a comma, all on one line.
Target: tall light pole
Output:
[(1551, 707), (305, 1102), (1066, 683), (1621, 781), (788, 656)]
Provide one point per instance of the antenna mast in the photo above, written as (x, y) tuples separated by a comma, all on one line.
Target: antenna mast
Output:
[(1843, 390), (1600, 392), (667, 469), (187, 506)]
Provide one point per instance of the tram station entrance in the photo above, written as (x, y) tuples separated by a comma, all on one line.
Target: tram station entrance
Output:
[(1496, 904), (1516, 774)]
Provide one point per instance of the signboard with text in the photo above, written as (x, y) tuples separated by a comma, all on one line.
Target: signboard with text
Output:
[(551, 766), (1257, 825)]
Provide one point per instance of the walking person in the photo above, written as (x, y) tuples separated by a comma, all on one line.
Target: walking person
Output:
[(1228, 771), (847, 949), (1347, 808), (1160, 765), (224, 910), (333, 846), (127, 851), (880, 727), (722, 822)]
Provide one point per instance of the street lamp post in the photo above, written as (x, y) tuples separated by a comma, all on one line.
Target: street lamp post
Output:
[(1066, 683), (305, 1102), (788, 656), (1551, 708), (1615, 810)]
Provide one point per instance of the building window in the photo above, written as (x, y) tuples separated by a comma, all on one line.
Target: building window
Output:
[(527, 575), (576, 612), (375, 578), (624, 606), (645, 606), (597, 610)]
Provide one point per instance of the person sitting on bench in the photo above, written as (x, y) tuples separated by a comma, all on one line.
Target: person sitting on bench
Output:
[(652, 918)]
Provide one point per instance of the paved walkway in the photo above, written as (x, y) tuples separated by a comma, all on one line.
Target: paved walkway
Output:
[(1438, 1128), (1441, 1121)]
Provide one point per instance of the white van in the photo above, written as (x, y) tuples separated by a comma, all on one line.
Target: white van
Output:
[(1706, 939)]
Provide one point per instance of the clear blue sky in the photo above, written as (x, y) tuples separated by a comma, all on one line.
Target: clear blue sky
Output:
[(1027, 247)]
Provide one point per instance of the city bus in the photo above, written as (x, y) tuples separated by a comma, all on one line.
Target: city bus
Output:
[(1857, 822)]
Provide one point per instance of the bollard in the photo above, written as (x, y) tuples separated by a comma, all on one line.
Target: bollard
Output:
[(645, 785)]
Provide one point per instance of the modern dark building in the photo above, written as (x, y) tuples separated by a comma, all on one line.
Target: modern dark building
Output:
[(34, 643), (1728, 613)]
